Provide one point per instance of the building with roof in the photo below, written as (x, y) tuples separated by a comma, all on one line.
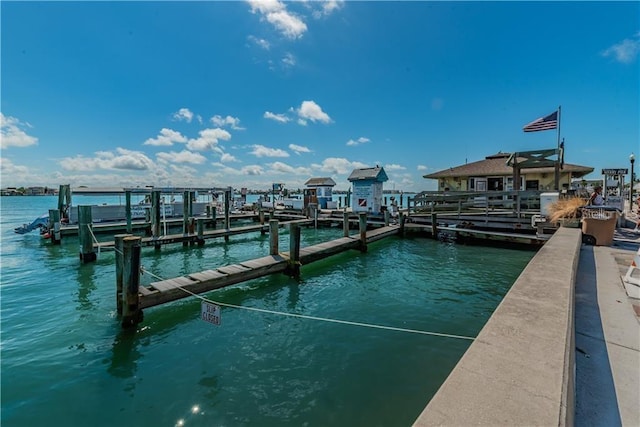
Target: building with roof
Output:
[(367, 189), (495, 174), (319, 191)]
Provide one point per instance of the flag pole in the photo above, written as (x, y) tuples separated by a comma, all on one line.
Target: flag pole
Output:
[(557, 166)]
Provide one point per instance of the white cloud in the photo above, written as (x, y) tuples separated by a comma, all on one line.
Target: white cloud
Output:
[(260, 42), (122, 159), (208, 140), (166, 137), (394, 167), (289, 60), (280, 167), (183, 114), (184, 170), (184, 156), (227, 158), (252, 170), (626, 51), (298, 149), (277, 117), (9, 169), (220, 121), (309, 110), (422, 168), (302, 122), (339, 165), (262, 151), (276, 13), (361, 140), (327, 8), (13, 135)]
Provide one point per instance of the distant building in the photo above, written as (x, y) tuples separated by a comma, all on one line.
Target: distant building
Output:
[(367, 189), (493, 174), (319, 191), (35, 191)]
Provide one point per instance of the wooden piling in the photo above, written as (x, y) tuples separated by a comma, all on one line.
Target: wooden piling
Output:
[(185, 213), (227, 208), (434, 225), (54, 226), (386, 218), (200, 226), (293, 267), (401, 220), (345, 223), (131, 311), (362, 225), (273, 237), (127, 209), (85, 235), (261, 218), (155, 215), (119, 249)]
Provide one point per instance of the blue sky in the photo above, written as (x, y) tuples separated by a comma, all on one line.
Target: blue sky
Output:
[(249, 93)]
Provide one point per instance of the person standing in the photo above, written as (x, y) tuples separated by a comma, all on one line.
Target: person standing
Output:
[(596, 198)]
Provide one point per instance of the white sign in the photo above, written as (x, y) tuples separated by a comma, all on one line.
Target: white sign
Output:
[(210, 313)]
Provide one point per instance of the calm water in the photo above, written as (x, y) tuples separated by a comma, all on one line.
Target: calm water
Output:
[(65, 359)]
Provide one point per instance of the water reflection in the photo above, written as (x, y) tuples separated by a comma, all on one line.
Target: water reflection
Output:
[(125, 354), (86, 285)]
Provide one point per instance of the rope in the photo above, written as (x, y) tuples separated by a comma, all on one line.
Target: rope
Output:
[(94, 237), (302, 316)]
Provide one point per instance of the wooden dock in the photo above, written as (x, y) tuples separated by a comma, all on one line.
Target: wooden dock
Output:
[(195, 238), (470, 234), (120, 226), (164, 291)]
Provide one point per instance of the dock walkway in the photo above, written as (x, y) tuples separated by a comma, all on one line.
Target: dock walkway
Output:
[(168, 290), (211, 234)]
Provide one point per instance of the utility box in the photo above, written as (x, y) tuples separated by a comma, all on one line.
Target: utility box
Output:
[(599, 225), (546, 200)]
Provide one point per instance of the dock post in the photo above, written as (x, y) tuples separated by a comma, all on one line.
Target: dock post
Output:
[(315, 216), (401, 220), (214, 215), (131, 311), (54, 226), (434, 225), (345, 223), (227, 203), (119, 249), (155, 216), (85, 235), (273, 237), (386, 218), (127, 210), (186, 200), (200, 226), (293, 268), (362, 225)]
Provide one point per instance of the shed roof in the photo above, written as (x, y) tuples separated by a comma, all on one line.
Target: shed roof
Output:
[(376, 174), (496, 165), (320, 182)]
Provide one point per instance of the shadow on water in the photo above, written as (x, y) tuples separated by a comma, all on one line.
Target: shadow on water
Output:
[(86, 286), (596, 402)]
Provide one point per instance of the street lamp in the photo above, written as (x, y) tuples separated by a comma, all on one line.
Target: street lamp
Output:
[(632, 159)]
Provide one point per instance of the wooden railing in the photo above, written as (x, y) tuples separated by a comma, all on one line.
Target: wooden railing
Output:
[(475, 201)]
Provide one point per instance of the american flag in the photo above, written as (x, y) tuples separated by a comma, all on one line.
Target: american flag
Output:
[(543, 123)]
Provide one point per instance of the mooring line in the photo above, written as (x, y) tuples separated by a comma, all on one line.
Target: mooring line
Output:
[(303, 316)]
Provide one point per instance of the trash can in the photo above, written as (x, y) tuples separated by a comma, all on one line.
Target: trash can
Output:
[(599, 224)]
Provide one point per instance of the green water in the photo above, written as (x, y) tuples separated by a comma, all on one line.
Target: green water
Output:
[(65, 360)]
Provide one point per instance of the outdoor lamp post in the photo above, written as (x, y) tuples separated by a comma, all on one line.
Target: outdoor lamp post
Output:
[(632, 159)]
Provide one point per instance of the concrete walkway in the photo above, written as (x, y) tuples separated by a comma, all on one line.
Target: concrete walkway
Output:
[(607, 325)]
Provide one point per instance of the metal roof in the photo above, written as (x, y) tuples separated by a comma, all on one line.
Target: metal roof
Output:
[(320, 182), (377, 173), (496, 165)]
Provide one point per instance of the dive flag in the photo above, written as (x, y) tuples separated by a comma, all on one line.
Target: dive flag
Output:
[(543, 123)]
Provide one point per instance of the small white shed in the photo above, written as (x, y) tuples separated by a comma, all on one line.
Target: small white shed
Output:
[(367, 189)]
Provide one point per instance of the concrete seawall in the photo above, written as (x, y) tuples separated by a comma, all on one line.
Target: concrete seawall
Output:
[(520, 370)]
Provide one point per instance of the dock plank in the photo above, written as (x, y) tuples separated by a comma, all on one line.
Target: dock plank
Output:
[(233, 269)]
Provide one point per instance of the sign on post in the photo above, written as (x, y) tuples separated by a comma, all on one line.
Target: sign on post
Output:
[(620, 171), (210, 313)]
